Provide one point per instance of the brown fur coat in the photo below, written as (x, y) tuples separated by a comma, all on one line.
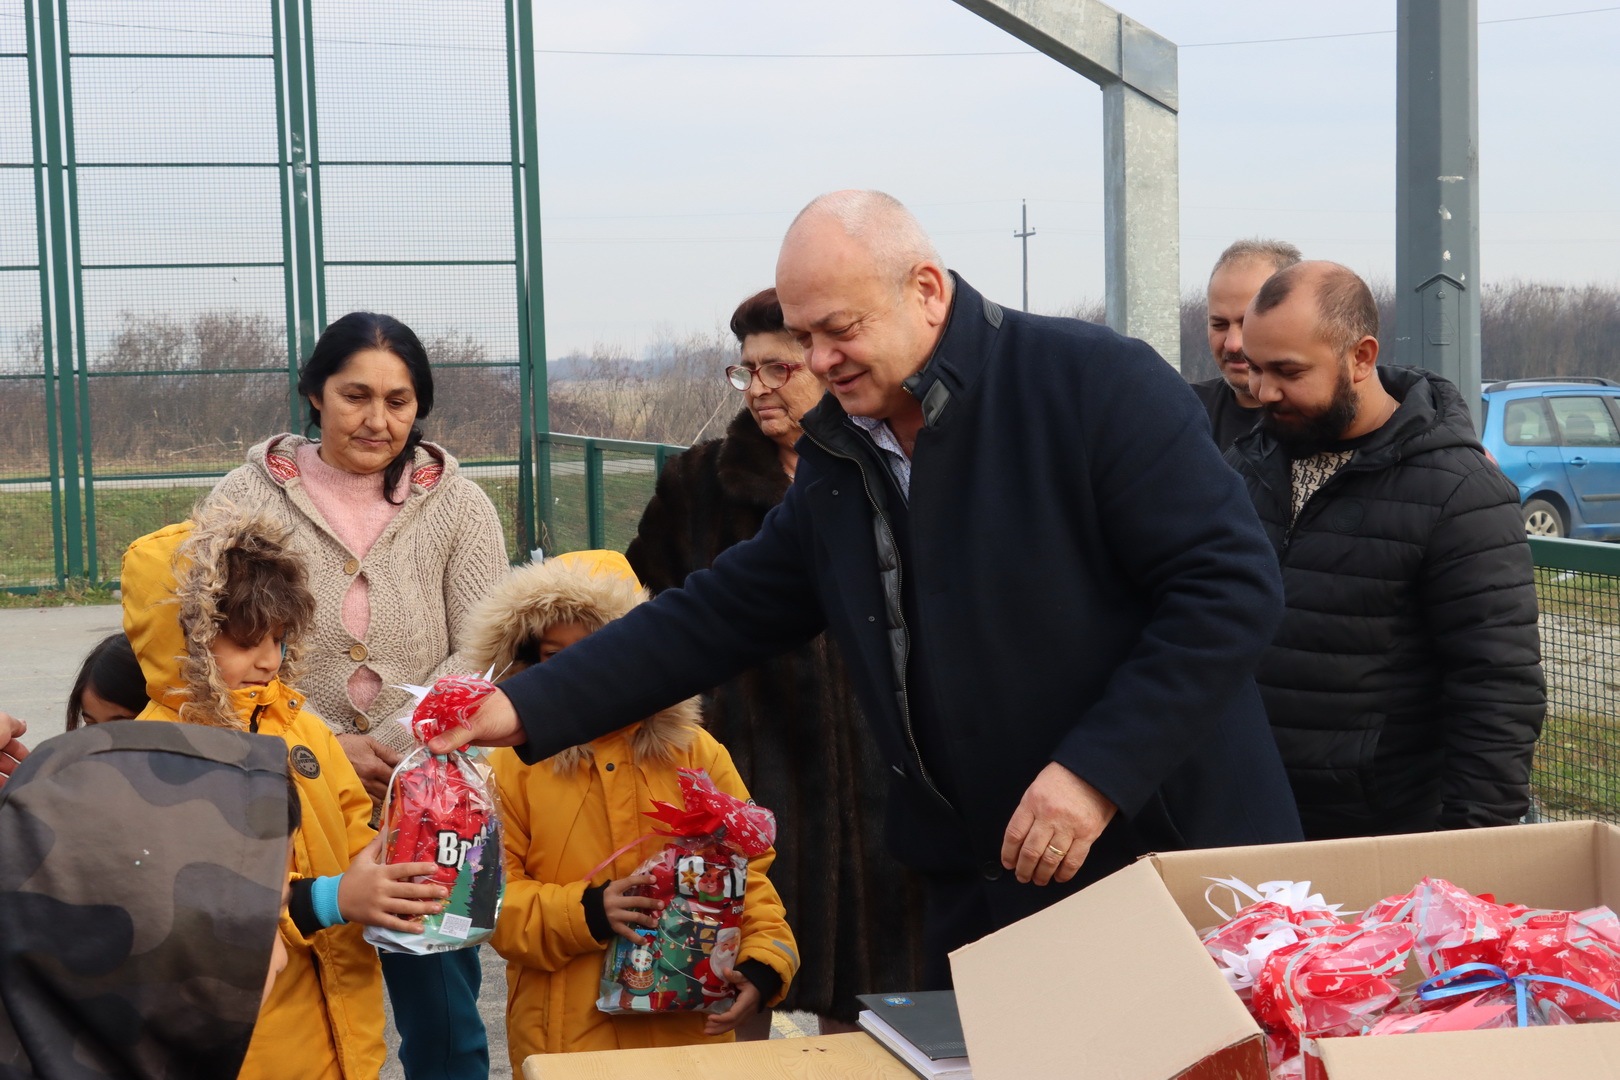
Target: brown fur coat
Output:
[(798, 739)]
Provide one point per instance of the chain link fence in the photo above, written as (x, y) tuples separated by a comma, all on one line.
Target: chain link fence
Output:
[(191, 189), (1577, 769)]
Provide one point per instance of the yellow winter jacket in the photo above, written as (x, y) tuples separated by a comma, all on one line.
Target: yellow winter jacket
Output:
[(563, 816), (324, 1018)]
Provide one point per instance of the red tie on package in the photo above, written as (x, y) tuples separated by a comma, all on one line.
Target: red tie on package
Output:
[(702, 875), (441, 809)]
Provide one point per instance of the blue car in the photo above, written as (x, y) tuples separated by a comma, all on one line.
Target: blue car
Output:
[(1559, 440)]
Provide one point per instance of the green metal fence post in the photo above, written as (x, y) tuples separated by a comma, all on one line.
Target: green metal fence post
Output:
[(288, 256), (595, 497), (298, 138), (35, 31), (318, 255), (533, 279), (82, 379), (527, 522), (54, 64)]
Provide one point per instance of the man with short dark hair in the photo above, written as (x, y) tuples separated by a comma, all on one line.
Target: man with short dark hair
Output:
[(1240, 271), (1405, 687)]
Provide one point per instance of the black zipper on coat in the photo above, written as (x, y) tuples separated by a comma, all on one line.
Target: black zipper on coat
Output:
[(900, 613), (253, 721)]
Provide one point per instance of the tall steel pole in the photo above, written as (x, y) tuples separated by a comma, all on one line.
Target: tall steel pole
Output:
[(1024, 234), (1136, 69), (1437, 191)]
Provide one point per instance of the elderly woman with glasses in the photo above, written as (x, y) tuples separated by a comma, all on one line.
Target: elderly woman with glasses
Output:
[(791, 725)]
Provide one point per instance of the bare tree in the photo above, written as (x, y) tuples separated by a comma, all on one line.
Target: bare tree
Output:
[(22, 405), (477, 405), (678, 394)]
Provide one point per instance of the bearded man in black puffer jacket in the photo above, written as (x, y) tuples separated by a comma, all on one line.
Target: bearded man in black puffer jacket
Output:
[(1405, 686)]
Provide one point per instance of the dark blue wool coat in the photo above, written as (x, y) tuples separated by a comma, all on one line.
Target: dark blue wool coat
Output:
[(1076, 577)]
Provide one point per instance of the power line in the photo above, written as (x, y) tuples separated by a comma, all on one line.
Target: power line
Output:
[(651, 54)]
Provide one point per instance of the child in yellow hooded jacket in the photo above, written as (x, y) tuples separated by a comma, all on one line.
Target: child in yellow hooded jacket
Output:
[(564, 816), (216, 610)]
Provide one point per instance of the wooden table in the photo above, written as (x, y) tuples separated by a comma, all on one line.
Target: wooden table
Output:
[(822, 1057)]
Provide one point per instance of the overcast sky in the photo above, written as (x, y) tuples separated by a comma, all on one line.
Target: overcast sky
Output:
[(668, 181)]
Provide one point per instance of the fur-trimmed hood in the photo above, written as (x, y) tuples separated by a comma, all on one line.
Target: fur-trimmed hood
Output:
[(591, 588), (172, 581)]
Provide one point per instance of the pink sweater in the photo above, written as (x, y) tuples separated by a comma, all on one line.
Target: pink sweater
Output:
[(356, 511)]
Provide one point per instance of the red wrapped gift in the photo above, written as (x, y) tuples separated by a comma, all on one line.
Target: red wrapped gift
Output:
[(702, 875), (441, 809), (1496, 1007), (1573, 946), (1241, 945), (1283, 913), (1453, 927), (1337, 983)]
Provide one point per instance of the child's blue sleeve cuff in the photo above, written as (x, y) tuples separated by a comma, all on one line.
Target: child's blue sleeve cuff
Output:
[(325, 898)]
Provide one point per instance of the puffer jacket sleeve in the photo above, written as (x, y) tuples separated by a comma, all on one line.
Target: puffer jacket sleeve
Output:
[(1479, 596), (542, 923), (477, 562), (766, 936)]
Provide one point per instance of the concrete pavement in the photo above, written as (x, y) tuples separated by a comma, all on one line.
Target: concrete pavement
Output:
[(43, 648)]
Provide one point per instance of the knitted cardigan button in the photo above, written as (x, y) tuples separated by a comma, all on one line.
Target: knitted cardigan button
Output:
[(362, 723), (358, 653), (351, 566)]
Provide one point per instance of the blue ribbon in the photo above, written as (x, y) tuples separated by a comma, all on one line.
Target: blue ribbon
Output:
[(1490, 976)]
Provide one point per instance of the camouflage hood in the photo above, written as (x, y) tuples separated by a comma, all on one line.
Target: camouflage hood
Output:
[(172, 581), (141, 868)]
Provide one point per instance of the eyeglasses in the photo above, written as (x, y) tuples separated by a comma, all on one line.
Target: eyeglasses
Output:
[(773, 375)]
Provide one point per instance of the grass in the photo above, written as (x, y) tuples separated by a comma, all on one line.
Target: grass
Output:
[(1594, 598), (27, 543), (77, 593), (1577, 767)]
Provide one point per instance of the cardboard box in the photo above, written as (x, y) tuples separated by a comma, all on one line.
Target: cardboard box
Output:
[(1114, 982)]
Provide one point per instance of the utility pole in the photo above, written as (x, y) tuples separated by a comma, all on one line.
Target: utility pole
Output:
[(1437, 190), (1023, 209)]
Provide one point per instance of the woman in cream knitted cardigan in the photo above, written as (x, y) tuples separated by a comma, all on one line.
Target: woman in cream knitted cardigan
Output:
[(399, 549)]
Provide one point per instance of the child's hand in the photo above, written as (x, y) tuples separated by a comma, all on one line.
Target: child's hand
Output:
[(747, 1005), (12, 751), (377, 894), (625, 913)]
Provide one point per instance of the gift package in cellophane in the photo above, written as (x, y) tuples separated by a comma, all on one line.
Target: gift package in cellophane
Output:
[(1308, 971), (701, 875), (442, 809)]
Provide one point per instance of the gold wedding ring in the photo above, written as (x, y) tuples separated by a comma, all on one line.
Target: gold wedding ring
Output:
[(1055, 853)]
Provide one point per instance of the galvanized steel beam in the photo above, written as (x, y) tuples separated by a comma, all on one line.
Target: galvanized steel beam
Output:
[(1136, 69), (1437, 191)]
